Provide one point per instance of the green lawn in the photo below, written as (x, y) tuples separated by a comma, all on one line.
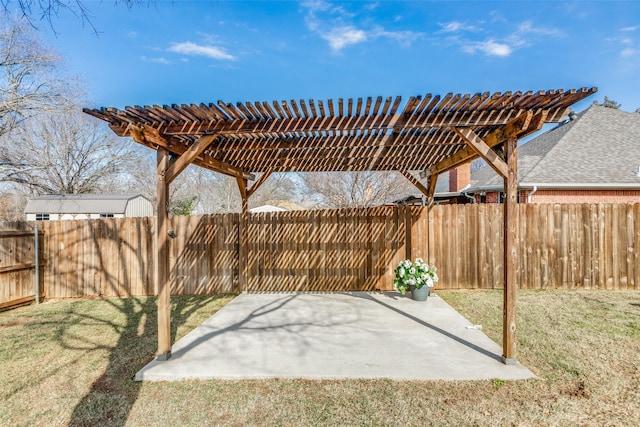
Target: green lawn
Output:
[(72, 363)]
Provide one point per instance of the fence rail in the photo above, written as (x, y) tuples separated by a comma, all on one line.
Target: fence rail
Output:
[(560, 246)]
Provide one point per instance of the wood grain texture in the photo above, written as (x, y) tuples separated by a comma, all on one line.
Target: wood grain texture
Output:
[(342, 250), (338, 135)]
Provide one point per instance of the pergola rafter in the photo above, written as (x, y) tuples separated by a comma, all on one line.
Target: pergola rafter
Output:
[(430, 135)]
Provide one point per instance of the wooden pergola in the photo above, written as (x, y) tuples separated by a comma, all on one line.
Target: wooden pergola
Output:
[(430, 135)]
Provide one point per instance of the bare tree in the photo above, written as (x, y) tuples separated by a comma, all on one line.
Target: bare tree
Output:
[(609, 103), (28, 81), (355, 189), (47, 10), (278, 187), (219, 194), (64, 152)]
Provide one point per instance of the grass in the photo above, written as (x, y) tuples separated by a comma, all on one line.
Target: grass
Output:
[(72, 363)]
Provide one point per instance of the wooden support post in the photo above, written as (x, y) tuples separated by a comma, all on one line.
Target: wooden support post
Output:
[(431, 189), (510, 252), (243, 252), (483, 149), (258, 183), (424, 190), (162, 258)]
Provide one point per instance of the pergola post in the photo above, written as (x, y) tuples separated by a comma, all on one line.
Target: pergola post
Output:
[(162, 260), (243, 253), (510, 252)]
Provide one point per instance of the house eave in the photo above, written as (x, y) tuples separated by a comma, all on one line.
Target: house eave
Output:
[(581, 186)]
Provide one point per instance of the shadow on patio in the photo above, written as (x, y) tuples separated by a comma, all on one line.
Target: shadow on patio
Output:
[(336, 335)]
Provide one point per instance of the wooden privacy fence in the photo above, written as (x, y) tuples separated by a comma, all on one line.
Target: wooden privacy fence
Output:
[(560, 246), (18, 266)]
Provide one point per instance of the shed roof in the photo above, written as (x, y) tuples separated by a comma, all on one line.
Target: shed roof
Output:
[(80, 203), (344, 135), (579, 152)]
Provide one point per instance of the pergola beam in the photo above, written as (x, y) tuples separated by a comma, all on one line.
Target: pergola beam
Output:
[(483, 150), (521, 126), (257, 184), (192, 153), (416, 183), (381, 122), (150, 137)]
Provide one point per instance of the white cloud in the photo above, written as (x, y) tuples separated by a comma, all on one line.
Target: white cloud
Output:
[(488, 47), (405, 38), (188, 48), (372, 6), (316, 5), (627, 43), (528, 28), (340, 37), (455, 26), (336, 25), (158, 60), (521, 35), (628, 52)]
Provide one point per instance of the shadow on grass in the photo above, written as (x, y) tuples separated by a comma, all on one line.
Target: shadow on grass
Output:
[(114, 392)]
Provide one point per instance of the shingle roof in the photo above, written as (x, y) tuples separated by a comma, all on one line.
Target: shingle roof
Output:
[(600, 146), (80, 203)]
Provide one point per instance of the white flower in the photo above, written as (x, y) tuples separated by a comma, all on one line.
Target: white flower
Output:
[(401, 271), (430, 283), (412, 270)]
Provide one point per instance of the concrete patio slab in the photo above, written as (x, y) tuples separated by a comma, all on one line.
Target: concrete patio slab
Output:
[(333, 336)]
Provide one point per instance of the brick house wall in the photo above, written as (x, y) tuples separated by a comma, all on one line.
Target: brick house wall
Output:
[(585, 196), (460, 177), (570, 196)]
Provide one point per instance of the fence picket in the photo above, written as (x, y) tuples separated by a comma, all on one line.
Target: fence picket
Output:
[(561, 246)]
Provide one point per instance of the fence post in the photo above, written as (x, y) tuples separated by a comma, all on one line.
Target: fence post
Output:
[(37, 264)]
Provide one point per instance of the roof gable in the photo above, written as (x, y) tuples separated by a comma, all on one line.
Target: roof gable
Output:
[(600, 146), (80, 203)]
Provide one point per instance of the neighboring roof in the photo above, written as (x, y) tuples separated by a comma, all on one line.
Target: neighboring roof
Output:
[(80, 203), (599, 148), (267, 208), (381, 134)]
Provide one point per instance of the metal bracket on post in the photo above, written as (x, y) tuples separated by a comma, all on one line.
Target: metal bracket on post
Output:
[(509, 361)]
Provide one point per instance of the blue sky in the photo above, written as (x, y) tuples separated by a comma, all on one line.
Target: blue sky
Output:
[(205, 51)]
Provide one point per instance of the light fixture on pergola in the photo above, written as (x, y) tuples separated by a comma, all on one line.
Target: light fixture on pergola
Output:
[(427, 135)]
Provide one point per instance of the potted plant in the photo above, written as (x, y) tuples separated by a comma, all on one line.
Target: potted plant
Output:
[(417, 276)]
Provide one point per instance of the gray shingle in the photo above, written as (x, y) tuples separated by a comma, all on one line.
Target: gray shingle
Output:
[(601, 146)]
